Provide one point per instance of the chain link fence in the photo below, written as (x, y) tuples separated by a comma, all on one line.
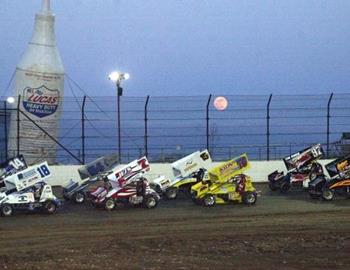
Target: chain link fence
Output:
[(167, 128)]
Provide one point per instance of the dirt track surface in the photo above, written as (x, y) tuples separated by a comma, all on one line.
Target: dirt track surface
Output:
[(279, 232)]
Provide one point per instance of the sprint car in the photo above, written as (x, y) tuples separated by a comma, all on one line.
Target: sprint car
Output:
[(337, 184), (187, 171), (90, 174), (226, 184), (302, 167), (28, 190), (126, 185)]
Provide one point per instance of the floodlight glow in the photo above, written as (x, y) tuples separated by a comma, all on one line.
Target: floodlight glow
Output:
[(10, 100), (126, 76), (114, 76)]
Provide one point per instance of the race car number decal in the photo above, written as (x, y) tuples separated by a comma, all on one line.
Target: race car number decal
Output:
[(204, 156), (43, 171)]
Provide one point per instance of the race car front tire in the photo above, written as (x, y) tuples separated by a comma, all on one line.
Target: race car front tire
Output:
[(79, 197), (327, 194), (150, 201), (109, 204), (171, 193), (50, 207), (209, 200), (249, 198), (6, 210), (284, 187)]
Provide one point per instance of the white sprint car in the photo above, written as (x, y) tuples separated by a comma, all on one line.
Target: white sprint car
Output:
[(28, 190)]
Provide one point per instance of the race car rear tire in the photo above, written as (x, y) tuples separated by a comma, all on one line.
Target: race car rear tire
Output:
[(272, 187), (50, 207), (171, 193), (150, 201), (6, 210), (209, 200), (327, 194), (249, 198), (284, 187), (109, 204), (79, 197)]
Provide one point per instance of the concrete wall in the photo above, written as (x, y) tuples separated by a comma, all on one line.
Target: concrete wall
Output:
[(259, 171)]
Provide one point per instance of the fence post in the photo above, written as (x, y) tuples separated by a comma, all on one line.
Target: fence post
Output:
[(146, 126), (83, 129), (328, 120), (268, 128), (18, 124), (6, 130), (207, 121)]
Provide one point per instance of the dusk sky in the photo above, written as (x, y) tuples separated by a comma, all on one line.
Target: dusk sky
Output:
[(192, 47)]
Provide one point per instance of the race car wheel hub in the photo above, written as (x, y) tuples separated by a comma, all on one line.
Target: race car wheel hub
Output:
[(250, 198), (110, 204), (327, 194), (151, 202), (79, 198), (209, 200), (171, 193), (51, 207)]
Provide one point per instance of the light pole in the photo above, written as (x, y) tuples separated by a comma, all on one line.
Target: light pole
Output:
[(117, 77), (9, 100)]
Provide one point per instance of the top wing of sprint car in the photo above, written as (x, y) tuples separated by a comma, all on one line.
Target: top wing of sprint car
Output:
[(190, 164), (129, 172), (304, 157), (12, 166), (339, 166), (98, 166), (28, 177), (228, 170)]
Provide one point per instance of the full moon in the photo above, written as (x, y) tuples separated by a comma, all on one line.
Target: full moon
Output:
[(220, 103)]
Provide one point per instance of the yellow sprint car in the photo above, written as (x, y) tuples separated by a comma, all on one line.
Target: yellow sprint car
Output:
[(226, 184)]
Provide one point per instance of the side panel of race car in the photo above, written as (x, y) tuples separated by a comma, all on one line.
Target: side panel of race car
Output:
[(341, 187), (185, 181), (47, 194), (20, 198)]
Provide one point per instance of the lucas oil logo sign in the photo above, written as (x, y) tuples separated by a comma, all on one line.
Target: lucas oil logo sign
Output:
[(40, 101)]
